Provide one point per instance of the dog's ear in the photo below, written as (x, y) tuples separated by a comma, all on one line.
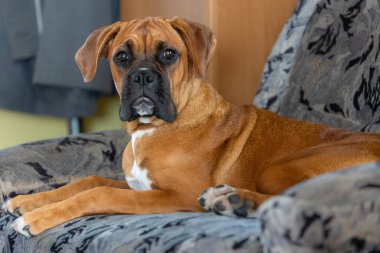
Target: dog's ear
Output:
[(95, 47), (200, 42)]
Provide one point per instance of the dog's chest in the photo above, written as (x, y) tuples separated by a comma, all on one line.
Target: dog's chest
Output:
[(138, 178)]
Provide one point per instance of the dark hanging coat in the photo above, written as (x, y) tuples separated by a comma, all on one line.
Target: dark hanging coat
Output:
[(38, 73)]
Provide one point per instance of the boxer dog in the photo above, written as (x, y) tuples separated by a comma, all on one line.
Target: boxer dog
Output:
[(185, 137)]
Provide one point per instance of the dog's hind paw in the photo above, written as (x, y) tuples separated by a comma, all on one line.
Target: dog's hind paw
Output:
[(226, 200), (208, 196)]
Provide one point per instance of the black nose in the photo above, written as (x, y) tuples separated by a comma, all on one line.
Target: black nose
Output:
[(145, 77)]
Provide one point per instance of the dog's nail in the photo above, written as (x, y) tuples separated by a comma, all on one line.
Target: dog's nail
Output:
[(220, 206), (6, 204), (17, 212), (220, 186)]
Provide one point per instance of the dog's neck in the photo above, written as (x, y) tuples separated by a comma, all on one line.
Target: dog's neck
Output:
[(201, 102)]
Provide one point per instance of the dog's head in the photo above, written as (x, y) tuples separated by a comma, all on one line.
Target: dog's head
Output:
[(153, 63)]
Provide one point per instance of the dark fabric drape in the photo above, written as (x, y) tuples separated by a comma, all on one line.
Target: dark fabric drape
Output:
[(38, 73)]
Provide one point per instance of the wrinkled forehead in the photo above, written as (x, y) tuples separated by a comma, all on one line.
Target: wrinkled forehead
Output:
[(146, 35)]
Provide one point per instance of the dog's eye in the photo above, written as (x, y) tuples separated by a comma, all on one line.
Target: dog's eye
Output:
[(122, 57), (168, 56)]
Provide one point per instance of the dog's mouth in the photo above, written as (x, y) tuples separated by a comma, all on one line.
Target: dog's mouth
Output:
[(146, 94), (143, 107)]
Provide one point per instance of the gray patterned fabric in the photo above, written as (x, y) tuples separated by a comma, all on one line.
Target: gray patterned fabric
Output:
[(179, 232), (275, 78), (336, 75), (336, 212), (45, 165)]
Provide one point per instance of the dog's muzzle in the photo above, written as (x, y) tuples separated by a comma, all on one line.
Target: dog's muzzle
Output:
[(146, 93)]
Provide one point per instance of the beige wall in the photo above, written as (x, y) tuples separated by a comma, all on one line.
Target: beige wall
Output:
[(246, 31), (190, 9), (17, 128)]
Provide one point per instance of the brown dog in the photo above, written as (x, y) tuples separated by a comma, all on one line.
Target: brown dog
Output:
[(186, 137)]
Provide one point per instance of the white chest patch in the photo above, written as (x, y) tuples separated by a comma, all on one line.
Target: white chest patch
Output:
[(139, 179)]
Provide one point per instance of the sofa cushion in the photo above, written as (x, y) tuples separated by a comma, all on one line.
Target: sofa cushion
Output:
[(178, 232)]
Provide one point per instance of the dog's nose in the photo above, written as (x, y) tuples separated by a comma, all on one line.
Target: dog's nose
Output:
[(145, 77)]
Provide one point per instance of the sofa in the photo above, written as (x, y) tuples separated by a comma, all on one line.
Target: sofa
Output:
[(323, 68)]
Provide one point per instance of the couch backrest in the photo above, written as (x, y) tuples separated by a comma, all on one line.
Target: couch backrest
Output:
[(335, 75)]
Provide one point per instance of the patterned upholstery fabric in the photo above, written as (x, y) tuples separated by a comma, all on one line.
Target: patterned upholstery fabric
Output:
[(335, 212), (45, 165), (275, 78), (336, 75), (179, 232), (328, 71)]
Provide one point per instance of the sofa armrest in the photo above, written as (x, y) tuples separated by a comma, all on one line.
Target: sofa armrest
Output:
[(335, 212), (45, 165)]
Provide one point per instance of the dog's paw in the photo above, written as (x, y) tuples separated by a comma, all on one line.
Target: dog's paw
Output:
[(35, 222), (207, 197), (22, 204), (226, 200), (11, 209), (20, 226), (41, 219)]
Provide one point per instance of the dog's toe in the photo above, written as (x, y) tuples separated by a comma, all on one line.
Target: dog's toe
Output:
[(6, 207), (207, 197), (232, 204), (22, 227)]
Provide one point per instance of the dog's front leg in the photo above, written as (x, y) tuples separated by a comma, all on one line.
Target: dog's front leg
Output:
[(25, 203), (101, 200)]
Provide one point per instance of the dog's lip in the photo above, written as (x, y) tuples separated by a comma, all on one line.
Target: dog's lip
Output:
[(142, 99), (143, 106)]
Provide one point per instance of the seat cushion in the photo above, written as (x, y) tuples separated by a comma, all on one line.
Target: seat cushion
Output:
[(178, 232)]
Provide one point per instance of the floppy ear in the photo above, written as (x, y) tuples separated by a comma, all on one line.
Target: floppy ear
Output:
[(95, 46), (200, 42)]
